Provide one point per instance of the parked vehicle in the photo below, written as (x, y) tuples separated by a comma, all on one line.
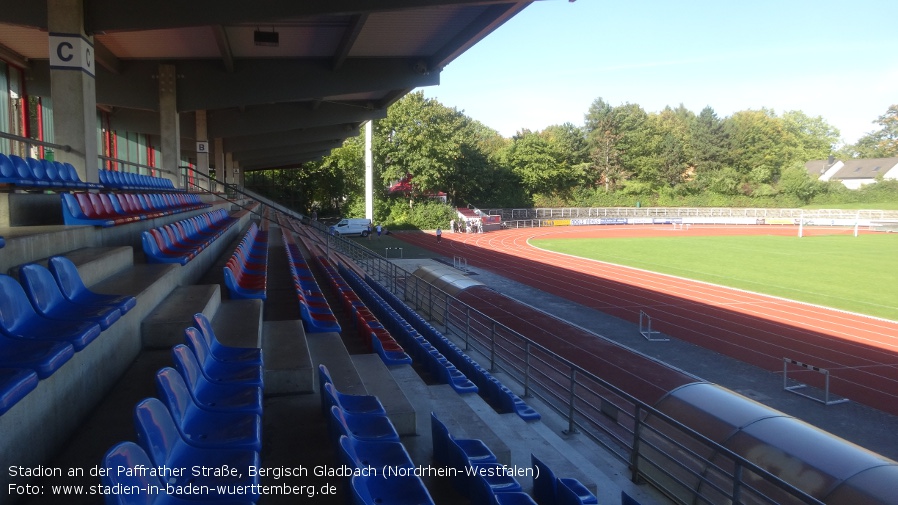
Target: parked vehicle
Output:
[(352, 227)]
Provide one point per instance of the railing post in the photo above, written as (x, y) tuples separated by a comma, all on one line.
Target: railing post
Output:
[(493, 347), (571, 427), (526, 369), (634, 452), (467, 327), (737, 483)]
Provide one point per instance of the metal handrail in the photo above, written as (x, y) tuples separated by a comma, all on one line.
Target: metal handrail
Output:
[(28, 141), (638, 431)]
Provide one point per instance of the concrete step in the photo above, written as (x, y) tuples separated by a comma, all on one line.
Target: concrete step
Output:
[(450, 408), (287, 361), (378, 381), (164, 326), (94, 263), (238, 323), (328, 349)]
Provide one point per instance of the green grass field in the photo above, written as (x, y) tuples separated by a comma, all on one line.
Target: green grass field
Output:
[(858, 274)]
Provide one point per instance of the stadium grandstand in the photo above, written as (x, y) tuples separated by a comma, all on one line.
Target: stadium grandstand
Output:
[(167, 336)]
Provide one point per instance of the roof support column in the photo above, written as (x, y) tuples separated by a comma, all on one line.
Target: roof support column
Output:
[(169, 126), (369, 171), (72, 86), (220, 167), (202, 155)]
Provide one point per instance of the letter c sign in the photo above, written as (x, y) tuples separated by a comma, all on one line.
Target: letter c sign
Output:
[(71, 52)]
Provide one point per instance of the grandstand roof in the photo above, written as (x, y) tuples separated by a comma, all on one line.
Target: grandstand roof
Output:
[(282, 81)]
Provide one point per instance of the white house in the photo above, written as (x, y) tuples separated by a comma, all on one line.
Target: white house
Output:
[(854, 173)]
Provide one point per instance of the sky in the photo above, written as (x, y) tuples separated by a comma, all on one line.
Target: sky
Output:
[(834, 59)]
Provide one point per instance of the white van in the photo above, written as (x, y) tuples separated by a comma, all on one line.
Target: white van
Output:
[(351, 227)]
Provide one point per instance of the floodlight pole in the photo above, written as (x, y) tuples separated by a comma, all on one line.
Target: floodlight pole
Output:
[(801, 225)]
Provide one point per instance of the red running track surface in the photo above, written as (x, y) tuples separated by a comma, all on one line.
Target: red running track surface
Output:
[(860, 352)]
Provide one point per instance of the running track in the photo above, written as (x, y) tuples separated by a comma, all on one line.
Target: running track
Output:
[(861, 352)]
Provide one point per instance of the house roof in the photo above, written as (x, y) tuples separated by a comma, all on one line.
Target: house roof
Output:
[(866, 168)]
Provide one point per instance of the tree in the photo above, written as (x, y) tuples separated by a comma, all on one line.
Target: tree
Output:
[(884, 142), (708, 141), (813, 138)]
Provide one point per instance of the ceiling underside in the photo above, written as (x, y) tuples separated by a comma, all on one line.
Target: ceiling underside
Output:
[(337, 64)]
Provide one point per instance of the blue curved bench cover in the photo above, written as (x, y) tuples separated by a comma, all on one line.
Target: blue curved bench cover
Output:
[(372, 428)]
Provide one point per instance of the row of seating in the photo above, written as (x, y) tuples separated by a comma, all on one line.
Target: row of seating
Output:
[(181, 241), (372, 332), (366, 438), (111, 209), (487, 483), (208, 414), (47, 317), (439, 367), (31, 173), (315, 311), (43, 174), (488, 385), (246, 272), (127, 181)]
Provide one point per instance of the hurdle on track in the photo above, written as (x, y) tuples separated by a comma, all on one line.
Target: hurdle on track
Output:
[(388, 250), (460, 263), (796, 387), (645, 328)]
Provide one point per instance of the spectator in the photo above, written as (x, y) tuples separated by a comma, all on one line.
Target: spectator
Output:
[(439, 235), (379, 229)]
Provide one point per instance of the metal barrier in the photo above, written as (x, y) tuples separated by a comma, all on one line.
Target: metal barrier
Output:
[(794, 388), (388, 250), (645, 328), (658, 452), (460, 263)]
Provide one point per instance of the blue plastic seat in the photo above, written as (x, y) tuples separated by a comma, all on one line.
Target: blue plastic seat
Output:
[(572, 492), (202, 428), (15, 384), (213, 396), (393, 491), (475, 450), (221, 352), (18, 319), (218, 371), (547, 488), (353, 404), (48, 300), (131, 455), (362, 427), (160, 438), (363, 454), (69, 281), (42, 356), (483, 493)]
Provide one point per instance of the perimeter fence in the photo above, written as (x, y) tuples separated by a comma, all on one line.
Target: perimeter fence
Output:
[(659, 450)]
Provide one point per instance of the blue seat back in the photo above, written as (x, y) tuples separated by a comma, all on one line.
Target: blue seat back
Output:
[(172, 389), (156, 430), (187, 365), (15, 309), (41, 287), (440, 438), (544, 482), (128, 455), (198, 345), (205, 328), (67, 277), (7, 170), (22, 168), (37, 169)]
